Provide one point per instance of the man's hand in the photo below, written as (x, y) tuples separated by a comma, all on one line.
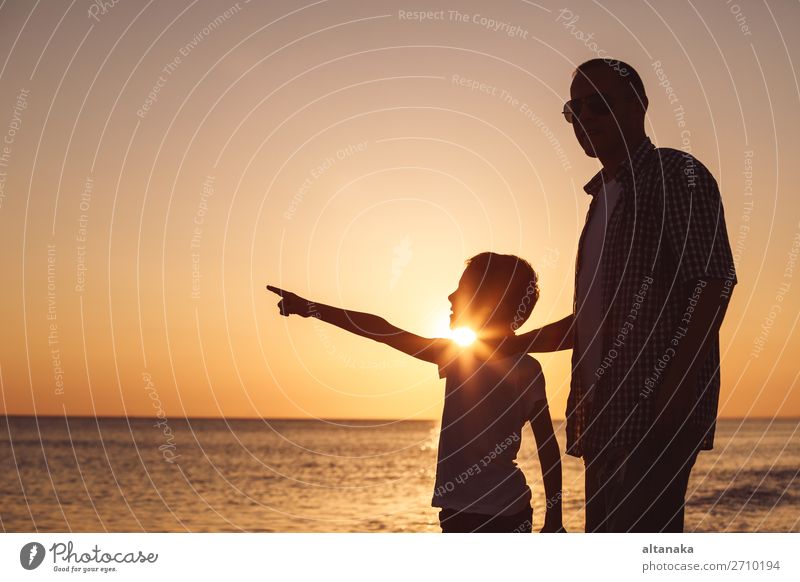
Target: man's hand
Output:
[(290, 303), (672, 416)]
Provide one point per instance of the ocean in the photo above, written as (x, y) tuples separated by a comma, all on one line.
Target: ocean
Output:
[(204, 475)]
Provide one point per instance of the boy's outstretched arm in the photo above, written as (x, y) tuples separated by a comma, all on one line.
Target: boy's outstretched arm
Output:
[(550, 461), (363, 324)]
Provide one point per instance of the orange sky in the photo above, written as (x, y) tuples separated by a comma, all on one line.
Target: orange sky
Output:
[(162, 162)]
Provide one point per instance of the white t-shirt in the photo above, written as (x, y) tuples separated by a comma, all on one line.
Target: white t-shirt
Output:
[(486, 406), (589, 314)]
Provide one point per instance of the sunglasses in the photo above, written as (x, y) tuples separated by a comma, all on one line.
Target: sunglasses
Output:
[(596, 104)]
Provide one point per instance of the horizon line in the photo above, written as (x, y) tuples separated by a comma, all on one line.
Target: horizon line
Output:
[(332, 419)]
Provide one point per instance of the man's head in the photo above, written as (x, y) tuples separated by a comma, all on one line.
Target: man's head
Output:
[(607, 107), (495, 294)]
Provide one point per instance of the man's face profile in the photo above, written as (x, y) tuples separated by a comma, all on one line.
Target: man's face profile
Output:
[(605, 110)]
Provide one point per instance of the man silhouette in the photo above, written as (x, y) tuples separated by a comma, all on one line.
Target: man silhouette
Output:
[(654, 274)]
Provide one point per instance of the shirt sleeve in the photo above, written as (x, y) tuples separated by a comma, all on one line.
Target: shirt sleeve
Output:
[(694, 222), (532, 379), (537, 386), (448, 359)]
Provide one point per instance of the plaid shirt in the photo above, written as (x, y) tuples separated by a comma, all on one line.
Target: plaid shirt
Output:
[(666, 231)]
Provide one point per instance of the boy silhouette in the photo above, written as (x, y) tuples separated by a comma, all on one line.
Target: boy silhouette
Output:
[(488, 397)]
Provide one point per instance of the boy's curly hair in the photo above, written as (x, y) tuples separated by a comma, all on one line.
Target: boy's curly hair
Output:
[(508, 282)]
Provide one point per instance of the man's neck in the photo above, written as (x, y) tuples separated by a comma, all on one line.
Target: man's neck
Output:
[(610, 166), (612, 160)]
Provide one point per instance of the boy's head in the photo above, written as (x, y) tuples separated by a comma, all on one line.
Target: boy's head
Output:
[(496, 294)]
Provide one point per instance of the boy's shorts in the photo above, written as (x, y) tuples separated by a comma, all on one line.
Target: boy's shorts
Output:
[(453, 521)]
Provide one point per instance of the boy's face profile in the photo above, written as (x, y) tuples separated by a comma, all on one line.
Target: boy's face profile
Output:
[(492, 290), (466, 308)]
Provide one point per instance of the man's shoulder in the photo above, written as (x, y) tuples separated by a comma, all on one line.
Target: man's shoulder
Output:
[(672, 161)]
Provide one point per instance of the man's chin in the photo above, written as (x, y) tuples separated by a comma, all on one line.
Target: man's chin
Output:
[(587, 146)]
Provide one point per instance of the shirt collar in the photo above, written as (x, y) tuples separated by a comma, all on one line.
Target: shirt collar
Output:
[(639, 154)]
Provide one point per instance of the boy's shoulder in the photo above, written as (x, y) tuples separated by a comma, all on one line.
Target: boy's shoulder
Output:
[(530, 377), (520, 365), (529, 361), (526, 369), (523, 363)]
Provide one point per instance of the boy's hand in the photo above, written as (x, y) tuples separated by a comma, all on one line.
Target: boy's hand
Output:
[(290, 303)]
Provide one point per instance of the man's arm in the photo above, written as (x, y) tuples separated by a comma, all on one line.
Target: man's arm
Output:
[(694, 231), (676, 393), (363, 324), (550, 461), (550, 338)]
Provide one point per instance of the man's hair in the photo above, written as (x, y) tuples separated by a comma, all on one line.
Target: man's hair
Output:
[(509, 282), (627, 74)]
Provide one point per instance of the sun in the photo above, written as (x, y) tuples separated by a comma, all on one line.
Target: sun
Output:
[(463, 336)]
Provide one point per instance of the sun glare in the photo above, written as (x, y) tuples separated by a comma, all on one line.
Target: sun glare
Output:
[(463, 336)]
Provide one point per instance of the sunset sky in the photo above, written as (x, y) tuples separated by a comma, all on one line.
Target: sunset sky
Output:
[(163, 161)]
